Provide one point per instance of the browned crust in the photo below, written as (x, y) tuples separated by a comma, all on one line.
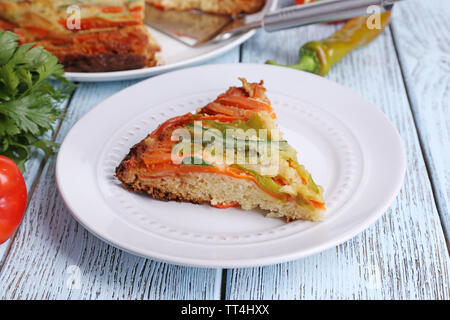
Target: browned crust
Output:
[(104, 62), (119, 49), (158, 194), (123, 169), (122, 49)]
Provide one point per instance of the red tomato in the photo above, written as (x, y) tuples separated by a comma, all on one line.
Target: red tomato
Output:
[(13, 198)]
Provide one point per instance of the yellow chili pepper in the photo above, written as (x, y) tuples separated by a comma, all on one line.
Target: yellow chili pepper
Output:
[(319, 56)]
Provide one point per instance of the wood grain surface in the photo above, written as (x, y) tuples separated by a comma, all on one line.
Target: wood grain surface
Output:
[(421, 34), (404, 255)]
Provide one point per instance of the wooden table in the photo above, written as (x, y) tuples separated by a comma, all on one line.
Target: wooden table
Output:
[(404, 255)]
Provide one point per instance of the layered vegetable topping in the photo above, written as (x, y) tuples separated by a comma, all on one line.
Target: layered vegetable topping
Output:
[(235, 135), (85, 35), (42, 18)]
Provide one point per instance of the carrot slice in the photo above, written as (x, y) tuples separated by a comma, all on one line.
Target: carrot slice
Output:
[(244, 103), (38, 32), (100, 23), (279, 181), (156, 158), (318, 205), (222, 118), (217, 108), (171, 169), (226, 204), (111, 9), (173, 122), (136, 9), (158, 6)]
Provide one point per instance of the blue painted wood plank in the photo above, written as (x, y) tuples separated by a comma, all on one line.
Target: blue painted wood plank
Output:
[(401, 256), (423, 45)]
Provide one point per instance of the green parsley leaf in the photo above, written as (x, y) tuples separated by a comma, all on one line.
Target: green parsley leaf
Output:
[(28, 99)]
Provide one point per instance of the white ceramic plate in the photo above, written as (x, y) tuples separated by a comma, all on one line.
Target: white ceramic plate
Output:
[(348, 145), (174, 55)]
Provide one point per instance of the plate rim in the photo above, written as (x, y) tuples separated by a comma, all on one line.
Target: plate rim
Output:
[(252, 262)]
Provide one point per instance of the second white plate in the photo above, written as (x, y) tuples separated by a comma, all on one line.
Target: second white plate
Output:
[(348, 145), (174, 55)]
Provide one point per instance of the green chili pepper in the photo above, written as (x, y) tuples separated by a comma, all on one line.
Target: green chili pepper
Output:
[(318, 56)]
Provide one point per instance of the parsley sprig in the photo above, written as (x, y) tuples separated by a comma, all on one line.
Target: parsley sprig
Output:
[(28, 99)]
